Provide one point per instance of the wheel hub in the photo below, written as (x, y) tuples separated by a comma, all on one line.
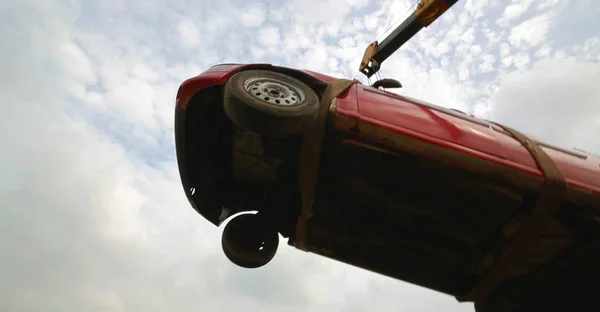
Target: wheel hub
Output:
[(273, 91)]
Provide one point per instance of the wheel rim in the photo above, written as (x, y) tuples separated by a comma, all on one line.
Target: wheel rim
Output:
[(273, 91)]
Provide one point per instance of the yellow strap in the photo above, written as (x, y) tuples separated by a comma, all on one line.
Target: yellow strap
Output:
[(310, 156), (551, 196)]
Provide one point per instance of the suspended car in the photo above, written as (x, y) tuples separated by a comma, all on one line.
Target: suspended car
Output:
[(388, 183)]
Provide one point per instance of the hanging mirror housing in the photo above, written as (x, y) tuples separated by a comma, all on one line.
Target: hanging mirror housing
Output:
[(387, 83)]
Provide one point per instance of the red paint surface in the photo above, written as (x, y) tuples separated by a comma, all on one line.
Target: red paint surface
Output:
[(189, 87), (347, 103), (410, 117), (398, 113), (414, 118), (319, 76), (583, 173), (213, 76)]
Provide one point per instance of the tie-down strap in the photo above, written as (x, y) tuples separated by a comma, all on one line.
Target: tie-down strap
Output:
[(310, 156), (551, 196)]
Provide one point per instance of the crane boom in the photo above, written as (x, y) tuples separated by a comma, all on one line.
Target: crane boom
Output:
[(427, 11)]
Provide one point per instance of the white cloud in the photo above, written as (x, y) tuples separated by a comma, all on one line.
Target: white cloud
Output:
[(487, 64), (590, 50), (547, 4), (269, 37), (521, 60), (253, 16), (516, 9), (188, 33), (90, 184), (475, 49), (556, 101), (320, 11), (77, 62), (463, 73), (530, 32), (476, 8), (543, 51)]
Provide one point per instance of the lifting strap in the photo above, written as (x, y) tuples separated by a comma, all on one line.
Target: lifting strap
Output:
[(310, 156), (552, 194)]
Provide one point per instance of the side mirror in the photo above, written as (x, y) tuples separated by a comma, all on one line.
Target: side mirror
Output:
[(387, 84)]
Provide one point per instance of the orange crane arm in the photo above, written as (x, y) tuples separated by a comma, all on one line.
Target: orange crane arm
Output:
[(427, 11)]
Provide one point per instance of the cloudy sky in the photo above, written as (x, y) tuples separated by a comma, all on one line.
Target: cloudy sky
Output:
[(92, 215)]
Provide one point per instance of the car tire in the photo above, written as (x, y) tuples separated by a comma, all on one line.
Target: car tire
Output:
[(249, 241), (270, 104)]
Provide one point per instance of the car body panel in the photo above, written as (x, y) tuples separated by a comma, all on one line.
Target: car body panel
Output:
[(399, 111), (343, 112), (213, 76), (424, 121), (191, 86), (380, 130), (580, 170), (322, 77), (470, 135)]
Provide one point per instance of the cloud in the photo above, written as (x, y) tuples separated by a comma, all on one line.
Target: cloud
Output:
[(93, 217), (253, 16), (516, 9), (531, 32), (487, 64), (189, 33), (269, 36), (556, 101)]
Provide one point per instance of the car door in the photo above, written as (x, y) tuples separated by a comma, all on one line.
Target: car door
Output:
[(452, 126)]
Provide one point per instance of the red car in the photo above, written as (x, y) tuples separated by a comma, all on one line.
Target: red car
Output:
[(391, 184)]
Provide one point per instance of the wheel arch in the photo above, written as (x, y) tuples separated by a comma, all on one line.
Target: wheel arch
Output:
[(314, 83)]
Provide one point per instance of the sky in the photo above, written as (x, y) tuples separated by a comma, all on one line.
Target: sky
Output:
[(92, 214)]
